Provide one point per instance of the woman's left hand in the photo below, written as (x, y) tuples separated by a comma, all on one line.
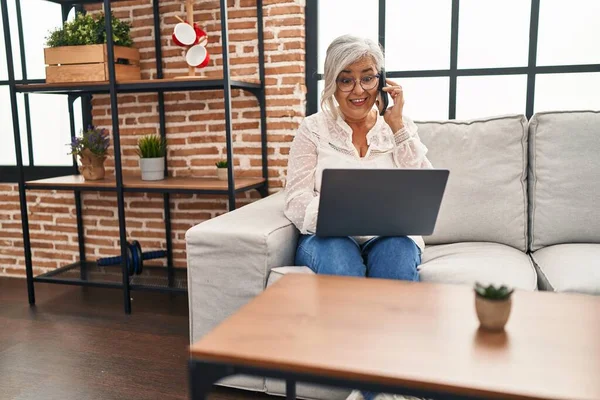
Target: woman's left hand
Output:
[(393, 115)]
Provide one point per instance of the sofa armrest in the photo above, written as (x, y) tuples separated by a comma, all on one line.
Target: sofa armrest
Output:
[(229, 259)]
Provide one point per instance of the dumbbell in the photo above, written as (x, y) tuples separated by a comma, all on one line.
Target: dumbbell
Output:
[(135, 258)]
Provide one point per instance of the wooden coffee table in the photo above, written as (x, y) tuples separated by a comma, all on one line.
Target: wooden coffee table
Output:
[(420, 339)]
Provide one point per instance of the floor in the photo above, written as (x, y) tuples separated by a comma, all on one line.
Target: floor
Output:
[(77, 343)]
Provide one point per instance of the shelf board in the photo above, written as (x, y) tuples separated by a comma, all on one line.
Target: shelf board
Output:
[(151, 278), (68, 182), (80, 1), (189, 183), (144, 85), (63, 88), (185, 83), (136, 184)]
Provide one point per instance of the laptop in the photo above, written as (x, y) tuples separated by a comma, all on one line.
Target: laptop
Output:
[(380, 202)]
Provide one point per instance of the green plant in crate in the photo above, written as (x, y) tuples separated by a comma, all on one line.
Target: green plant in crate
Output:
[(151, 146), (492, 292), (221, 164), (86, 29), (121, 31)]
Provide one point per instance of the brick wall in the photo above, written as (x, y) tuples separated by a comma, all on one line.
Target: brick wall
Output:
[(195, 132)]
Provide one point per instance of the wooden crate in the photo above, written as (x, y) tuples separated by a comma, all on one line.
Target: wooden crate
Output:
[(90, 63)]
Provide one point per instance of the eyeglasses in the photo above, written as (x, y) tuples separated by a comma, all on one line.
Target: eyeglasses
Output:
[(366, 82)]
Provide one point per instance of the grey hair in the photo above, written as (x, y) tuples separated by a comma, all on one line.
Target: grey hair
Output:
[(343, 51)]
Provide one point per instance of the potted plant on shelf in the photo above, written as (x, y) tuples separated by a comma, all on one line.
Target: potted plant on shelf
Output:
[(152, 150), (493, 305), (221, 170), (92, 148), (76, 52)]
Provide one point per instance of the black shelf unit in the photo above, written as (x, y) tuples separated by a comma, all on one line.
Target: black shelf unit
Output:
[(87, 273), (150, 85)]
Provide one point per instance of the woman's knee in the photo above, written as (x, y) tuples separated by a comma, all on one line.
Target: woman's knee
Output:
[(331, 255), (397, 244), (395, 257)]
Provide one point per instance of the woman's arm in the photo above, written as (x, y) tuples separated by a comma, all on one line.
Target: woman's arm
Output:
[(409, 151), (301, 201)]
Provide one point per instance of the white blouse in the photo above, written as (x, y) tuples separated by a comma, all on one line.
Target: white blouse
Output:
[(322, 142)]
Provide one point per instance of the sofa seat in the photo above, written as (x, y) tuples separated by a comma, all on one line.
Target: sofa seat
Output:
[(470, 262), (462, 263), (571, 267)]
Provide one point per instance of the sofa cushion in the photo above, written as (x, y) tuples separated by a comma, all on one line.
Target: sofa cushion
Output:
[(462, 263), (564, 183), (485, 198), (569, 268), (279, 272), (466, 263)]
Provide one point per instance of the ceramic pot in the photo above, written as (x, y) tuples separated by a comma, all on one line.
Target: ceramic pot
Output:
[(492, 314), (222, 174), (92, 166), (153, 169)]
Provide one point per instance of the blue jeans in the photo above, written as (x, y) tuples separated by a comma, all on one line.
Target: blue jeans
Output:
[(388, 257)]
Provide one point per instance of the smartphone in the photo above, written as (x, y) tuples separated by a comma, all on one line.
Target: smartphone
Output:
[(382, 97)]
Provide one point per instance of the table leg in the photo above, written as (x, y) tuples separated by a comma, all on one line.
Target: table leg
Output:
[(203, 376), (290, 389)]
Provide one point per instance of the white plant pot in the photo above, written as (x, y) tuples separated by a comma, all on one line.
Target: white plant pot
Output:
[(222, 174), (153, 169), (493, 314)]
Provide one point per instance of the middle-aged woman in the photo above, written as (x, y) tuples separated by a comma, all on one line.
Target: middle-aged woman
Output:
[(352, 134)]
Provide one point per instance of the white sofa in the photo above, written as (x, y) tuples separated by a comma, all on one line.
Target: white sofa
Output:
[(521, 208)]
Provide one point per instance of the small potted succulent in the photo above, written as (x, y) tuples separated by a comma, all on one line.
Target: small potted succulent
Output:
[(221, 169), (91, 147), (152, 150), (493, 305)]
